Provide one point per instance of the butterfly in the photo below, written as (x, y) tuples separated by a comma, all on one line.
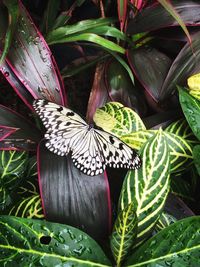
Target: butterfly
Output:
[(91, 149)]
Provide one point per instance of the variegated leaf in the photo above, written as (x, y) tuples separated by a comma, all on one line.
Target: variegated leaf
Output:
[(124, 233), (148, 186), (30, 207), (12, 168), (117, 119), (196, 154), (194, 85), (182, 129), (179, 148), (165, 220)]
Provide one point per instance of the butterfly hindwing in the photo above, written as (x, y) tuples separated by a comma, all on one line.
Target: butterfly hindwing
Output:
[(91, 149)]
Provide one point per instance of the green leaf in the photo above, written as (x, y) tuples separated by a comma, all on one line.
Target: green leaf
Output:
[(182, 129), (191, 110), (176, 245), (165, 220), (123, 234), (13, 10), (148, 186), (180, 149), (168, 6), (12, 168), (117, 119), (76, 29), (182, 188), (28, 242), (90, 37), (196, 155)]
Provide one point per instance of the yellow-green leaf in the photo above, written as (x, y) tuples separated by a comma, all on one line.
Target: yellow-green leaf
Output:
[(179, 148), (148, 186), (117, 119), (123, 234)]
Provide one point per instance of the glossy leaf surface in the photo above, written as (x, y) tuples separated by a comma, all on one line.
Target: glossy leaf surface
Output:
[(71, 197), (149, 18), (25, 241), (117, 119), (178, 245), (22, 134), (124, 233), (179, 148), (148, 186), (32, 63), (12, 168), (191, 110)]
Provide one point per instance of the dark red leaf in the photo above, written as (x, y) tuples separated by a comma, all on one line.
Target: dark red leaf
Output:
[(150, 67), (149, 18), (19, 133), (71, 197), (31, 61)]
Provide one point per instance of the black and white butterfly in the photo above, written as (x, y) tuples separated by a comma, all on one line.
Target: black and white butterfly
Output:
[(91, 149)]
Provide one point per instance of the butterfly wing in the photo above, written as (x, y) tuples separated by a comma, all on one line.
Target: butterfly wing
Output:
[(116, 153), (62, 124)]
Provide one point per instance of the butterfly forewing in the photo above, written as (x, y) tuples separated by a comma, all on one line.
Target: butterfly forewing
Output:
[(91, 149)]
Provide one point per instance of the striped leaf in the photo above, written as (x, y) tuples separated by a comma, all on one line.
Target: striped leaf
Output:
[(29, 207), (182, 129), (117, 119), (12, 168), (165, 220), (178, 245), (148, 186), (179, 148), (124, 233)]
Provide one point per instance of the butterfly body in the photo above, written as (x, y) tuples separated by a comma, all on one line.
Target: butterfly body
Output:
[(91, 149)]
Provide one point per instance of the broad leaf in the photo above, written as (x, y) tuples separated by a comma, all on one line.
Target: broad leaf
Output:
[(148, 186), (196, 155), (182, 129), (150, 67), (148, 19), (184, 65), (12, 168), (176, 245), (191, 110), (124, 233), (32, 63), (19, 133), (117, 119), (28, 241), (179, 148), (71, 197)]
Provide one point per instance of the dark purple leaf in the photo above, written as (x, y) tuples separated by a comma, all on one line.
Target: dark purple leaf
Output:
[(149, 19), (31, 61), (186, 63), (21, 134), (150, 67), (71, 197), (120, 87)]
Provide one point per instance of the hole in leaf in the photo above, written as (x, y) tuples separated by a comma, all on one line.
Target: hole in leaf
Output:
[(45, 239)]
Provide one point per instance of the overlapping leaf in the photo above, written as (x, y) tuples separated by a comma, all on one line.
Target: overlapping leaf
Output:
[(27, 241), (165, 220), (124, 233), (148, 186), (12, 168), (117, 119), (32, 64), (196, 154), (194, 85), (176, 245), (69, 196), (180, 149)]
